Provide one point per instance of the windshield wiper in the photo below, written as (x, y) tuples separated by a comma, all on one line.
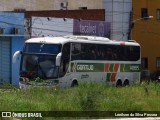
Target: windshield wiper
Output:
[(37, 53)]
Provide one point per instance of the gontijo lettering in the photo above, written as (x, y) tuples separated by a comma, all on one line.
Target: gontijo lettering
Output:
[(85, 67)]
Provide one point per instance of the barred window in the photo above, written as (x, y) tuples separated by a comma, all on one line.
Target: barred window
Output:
[(144, 13), (144, 63), (158, 63), (158, 14)]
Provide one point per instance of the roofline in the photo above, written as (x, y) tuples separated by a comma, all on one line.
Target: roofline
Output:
[(83, 39)]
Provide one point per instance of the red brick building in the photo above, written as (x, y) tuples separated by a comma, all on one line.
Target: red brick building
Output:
[(95, 14)]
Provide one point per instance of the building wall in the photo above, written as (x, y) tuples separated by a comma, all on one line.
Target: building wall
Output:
[(96, 14), (90, 4), (10, 5), (51, 26), (146, 31), (10, 42), (15, 67), (118, 13)]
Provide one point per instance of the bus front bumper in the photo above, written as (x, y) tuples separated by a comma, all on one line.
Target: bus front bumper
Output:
[(26, 83)]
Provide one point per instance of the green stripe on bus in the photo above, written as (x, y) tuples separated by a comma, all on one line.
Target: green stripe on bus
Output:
[(121, 67), (87, 67), (111, 68), (100, 67), (108, 76), (130, 68)]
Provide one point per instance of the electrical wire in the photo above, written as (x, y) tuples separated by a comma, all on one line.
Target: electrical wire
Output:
[(115, 30)]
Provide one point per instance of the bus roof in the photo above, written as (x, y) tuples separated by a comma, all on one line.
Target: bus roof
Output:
[(80, 39)]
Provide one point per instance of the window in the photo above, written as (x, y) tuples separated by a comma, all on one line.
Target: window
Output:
[(158, 63), (66, 51), (65, 59), (76, 51), (42, 48), (144, 63), (144, 12), (82, 8), (87, 51), (158, 14)]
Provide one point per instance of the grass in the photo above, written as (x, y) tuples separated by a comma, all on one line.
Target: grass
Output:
[(85, 97)]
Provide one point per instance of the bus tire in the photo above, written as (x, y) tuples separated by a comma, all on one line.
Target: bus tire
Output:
[(119, 83), (126, 82), (74, 83)]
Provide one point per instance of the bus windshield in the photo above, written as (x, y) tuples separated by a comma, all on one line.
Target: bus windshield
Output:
[(42, 48), (38, 60)]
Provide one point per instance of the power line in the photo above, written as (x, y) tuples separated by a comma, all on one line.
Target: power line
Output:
[(12, 23), (117, 31)]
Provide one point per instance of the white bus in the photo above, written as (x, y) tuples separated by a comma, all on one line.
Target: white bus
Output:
[(70, 60)]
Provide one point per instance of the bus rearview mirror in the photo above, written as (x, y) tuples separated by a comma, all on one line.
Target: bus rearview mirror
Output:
[(14, 59), (58, 59)]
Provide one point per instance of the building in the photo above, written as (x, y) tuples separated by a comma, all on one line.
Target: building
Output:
[(11, 40), (96, 14), (118, 12), (64, 15), (34, 5), (52, 26), (146, 32)]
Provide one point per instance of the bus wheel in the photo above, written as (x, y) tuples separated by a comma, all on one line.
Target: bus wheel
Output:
[(74, 83), (126, 82), (119, 83)]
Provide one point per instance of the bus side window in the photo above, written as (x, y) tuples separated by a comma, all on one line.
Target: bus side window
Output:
[(133, 53), (65, 59), (76, 51)]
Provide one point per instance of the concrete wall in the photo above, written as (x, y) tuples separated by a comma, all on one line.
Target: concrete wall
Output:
[(10, 5)]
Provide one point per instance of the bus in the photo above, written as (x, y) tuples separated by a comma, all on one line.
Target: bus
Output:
[(71, 60)]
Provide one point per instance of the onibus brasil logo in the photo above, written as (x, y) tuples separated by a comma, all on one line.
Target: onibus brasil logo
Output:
[(21, 114)]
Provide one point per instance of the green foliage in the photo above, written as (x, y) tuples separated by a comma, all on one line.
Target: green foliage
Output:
[(85, 97)]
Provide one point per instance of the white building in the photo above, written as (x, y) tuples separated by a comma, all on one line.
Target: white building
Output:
[(118, 12)]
